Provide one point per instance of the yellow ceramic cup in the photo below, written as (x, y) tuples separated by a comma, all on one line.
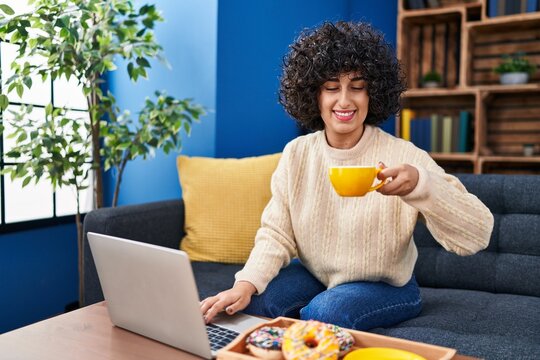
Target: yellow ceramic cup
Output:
[(354, 180)]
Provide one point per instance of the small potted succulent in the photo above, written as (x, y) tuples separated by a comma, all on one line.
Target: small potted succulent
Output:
[(431, 79), (515, 69)]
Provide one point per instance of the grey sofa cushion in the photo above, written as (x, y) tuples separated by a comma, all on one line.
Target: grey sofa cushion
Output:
[(491, 326), (511, 263)]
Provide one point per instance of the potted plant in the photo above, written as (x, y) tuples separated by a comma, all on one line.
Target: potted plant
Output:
[(84, 39), (431, 79), (515, 69)]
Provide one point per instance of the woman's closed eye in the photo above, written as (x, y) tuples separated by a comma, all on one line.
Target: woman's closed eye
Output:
[(358, 85), (331, 86)]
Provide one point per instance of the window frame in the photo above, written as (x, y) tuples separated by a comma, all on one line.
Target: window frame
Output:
[(38, 222)]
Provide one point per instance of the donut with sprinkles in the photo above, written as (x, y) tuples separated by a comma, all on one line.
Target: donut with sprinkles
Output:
[(345, 339), (266, 342)]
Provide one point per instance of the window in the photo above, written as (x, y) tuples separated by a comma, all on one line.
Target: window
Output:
[(38, 201)]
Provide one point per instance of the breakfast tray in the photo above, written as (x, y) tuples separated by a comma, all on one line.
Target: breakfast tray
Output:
[(236, 350)]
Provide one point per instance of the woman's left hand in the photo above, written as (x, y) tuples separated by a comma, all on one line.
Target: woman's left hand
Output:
[(404, 179)]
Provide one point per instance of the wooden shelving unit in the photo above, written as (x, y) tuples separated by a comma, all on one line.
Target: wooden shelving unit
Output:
[(460, 41)]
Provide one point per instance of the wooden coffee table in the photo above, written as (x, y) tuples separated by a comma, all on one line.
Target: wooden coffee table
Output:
[(88, 333)]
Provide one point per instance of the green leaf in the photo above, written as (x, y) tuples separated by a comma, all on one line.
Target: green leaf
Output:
[(4, 102), (187, 128), (28, 82), (22, 137), (14, 154), (26, 181), (130, 70), (11, 87), (20, 90), (143, 62), (6, 9), (48, 109), (64, 33)]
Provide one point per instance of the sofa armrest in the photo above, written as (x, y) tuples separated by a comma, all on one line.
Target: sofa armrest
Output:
[(159, 223)]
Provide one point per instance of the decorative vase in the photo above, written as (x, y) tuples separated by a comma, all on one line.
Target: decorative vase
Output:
[(514, 78), (431, 84)]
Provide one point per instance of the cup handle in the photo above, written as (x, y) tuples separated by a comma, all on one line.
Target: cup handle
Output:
[(373, 188)]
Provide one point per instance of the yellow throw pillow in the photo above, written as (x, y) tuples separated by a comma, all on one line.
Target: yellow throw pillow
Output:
[(224, 200)]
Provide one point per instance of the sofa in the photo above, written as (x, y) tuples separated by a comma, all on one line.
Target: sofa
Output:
[(486, 305)]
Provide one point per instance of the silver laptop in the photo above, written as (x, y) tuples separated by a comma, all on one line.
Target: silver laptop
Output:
[(150, 290)]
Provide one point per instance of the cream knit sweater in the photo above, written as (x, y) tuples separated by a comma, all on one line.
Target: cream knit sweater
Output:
[(344, 239)]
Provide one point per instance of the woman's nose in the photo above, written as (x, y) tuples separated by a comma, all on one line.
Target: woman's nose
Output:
[(344, 100)]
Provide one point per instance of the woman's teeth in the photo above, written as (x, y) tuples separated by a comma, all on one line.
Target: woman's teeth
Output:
[(344, 115), (348, 113)]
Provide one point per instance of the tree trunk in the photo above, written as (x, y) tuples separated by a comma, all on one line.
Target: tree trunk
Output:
[(120, 170), (80, 251), (96, 156)]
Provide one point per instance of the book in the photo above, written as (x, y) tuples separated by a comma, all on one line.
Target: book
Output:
[(512, 7), (421, 133), (493, 8), (436, 131), (446, 140), (416, 4), (455, 135), (426, 134), (523, 6), (406, 116), (532, 5), (464, 132), (415, 132), (501, 5)]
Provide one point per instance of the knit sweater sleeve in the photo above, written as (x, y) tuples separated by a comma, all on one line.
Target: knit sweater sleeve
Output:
[(274, 245), (457, 219)]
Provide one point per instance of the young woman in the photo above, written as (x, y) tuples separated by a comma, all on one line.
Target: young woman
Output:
[(348, 260)]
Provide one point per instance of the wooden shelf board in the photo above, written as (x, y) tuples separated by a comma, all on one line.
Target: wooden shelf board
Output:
[(513, 159), (456, 8), (453, 156), (439, 92), (504, 20), (509, 88)]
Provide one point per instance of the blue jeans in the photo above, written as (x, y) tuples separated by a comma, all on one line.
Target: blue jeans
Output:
[(359, 305)]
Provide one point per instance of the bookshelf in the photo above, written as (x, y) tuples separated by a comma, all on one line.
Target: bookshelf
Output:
[(459, 40)]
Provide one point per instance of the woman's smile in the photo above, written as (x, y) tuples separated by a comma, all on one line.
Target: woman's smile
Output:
[(344, 115)]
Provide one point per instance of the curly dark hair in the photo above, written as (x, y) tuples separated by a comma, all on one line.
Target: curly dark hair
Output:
[(334, 49)]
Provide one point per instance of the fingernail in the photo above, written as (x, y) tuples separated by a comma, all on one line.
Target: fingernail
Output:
[(228, 310)]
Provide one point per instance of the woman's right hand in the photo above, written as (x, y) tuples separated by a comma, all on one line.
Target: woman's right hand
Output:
[(235, 299)]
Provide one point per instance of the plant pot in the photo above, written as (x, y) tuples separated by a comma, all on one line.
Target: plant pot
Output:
[(514, 78), (431, 84)]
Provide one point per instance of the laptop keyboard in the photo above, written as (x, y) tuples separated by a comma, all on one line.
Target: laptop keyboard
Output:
[(219, 336)]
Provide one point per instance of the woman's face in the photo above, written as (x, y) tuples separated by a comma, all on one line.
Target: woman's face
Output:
[(343, 103)]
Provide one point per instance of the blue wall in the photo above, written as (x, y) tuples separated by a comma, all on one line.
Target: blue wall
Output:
[(227, 56), (189, 37), (38, 274), (249, 119)]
